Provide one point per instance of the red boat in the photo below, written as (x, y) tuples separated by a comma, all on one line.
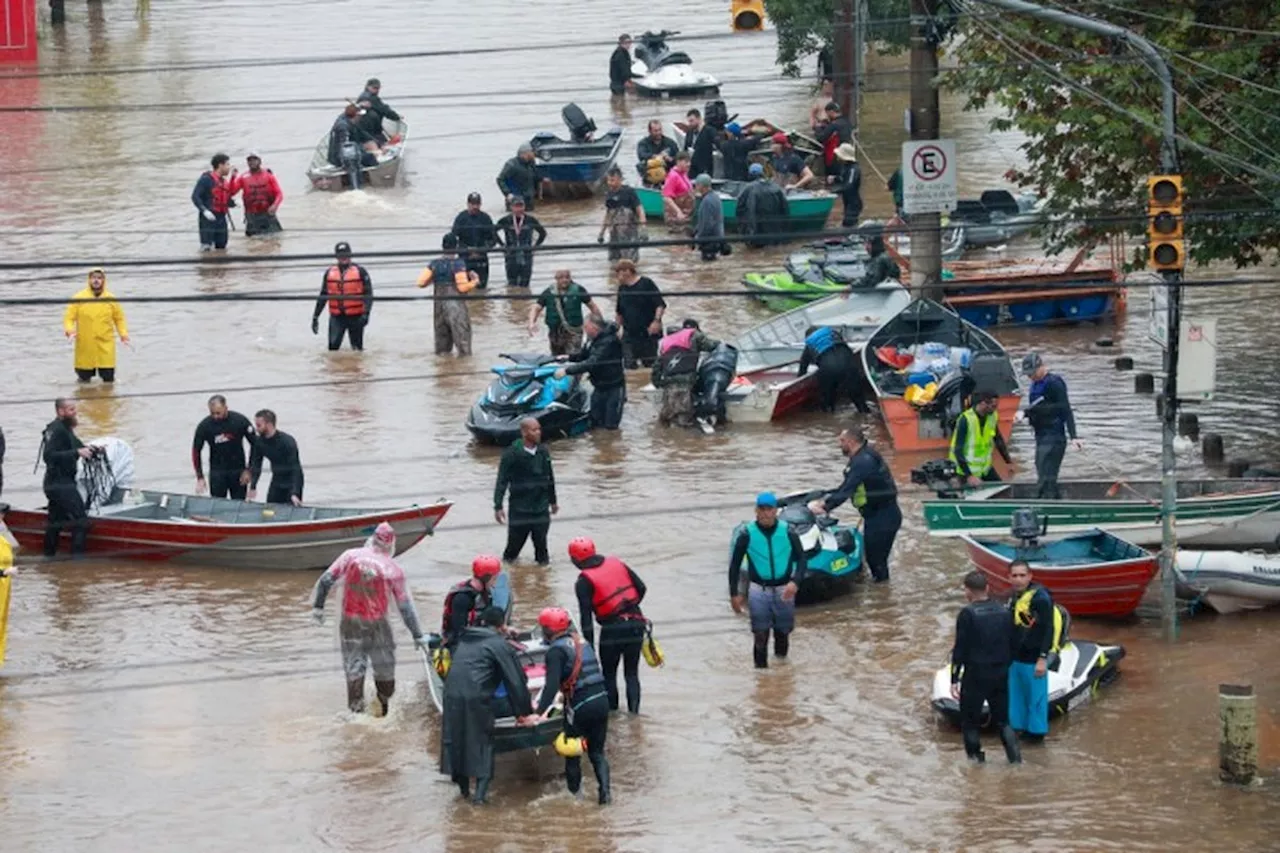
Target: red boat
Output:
[(204, 531), (1090, 574)]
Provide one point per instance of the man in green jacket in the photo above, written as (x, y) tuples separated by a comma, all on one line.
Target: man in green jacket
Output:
[(563, 303), (526, 469)]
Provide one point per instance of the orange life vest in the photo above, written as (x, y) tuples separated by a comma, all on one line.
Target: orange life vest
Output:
[(258, 192), (220, 195), (614, 593), (349, 284)]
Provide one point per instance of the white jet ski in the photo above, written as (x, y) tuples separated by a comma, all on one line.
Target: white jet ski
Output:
[(662, 72), (1082, 668)]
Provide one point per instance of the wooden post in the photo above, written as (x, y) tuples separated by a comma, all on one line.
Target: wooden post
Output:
[(1238, 737)]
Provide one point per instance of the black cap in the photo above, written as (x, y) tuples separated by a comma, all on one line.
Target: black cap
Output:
[(342, 249), (516, 199), (832, 107), (372, 81), (473, 197), (450, 241), (623, 37)]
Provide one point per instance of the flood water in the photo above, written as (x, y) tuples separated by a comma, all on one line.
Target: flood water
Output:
[(143, 706)]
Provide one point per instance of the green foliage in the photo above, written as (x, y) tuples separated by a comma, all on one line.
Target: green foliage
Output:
[(805, 26), (1091, 158)]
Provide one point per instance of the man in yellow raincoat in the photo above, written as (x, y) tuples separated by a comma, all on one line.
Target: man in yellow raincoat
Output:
[(94, 324), (6, 580)]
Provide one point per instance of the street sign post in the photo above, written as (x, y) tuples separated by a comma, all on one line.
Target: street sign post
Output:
[(929, 176), (1197, 359), (1158, 321)]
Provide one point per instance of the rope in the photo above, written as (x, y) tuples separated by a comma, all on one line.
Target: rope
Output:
[(867, 157)]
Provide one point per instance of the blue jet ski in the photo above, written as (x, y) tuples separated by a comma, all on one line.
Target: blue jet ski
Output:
[(527, 388)]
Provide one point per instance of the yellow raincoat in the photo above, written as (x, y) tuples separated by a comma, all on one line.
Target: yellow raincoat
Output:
[(96, 325), (6, 562)]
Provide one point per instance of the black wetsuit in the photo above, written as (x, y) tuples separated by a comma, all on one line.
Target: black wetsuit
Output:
[(838, 370), (602, 360), (620, 70), (621, 637), (476, 235), (878, 503), (587, 710), (980, 665), (701, 146), (226, 439), (66, 508), (286, 468)]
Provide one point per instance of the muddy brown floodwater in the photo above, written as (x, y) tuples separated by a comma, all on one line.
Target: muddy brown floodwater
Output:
[(145, 707)]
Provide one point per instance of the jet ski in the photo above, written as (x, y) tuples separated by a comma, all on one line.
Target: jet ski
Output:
[(833, 551), (715, 374), (1081, 668), (527, 388), (662, 72)]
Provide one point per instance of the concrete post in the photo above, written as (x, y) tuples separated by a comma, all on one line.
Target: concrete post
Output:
[(1238, 737)]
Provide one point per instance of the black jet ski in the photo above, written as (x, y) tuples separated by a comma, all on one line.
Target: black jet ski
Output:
[(527, 388), (715, 373)]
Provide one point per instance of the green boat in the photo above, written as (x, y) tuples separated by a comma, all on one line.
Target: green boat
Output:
[(808, 210), (1235, 514)]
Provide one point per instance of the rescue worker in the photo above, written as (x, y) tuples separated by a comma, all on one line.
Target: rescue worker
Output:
[(375, 111), (609, 592), (880, 267), (519, 177), (526, 470), (464, 603), (93, 319), (789, 168), (62, 451), (849, 184), (563, 303), (601, 359), (655, 155), (980, 668), (975, 439), (838, 368), (451, 278), (1049, 411), (762, 210), (574, 670), (736, 151), (372, 579), (700, 142), (775, 568), (226, 432), (348, 291), (638, 314), (869, 483), (1037, 628), (476, 236), (620, 74), (278, 448), (262, 197), (708, 230), (212, 198), (835, 131), (518, 234), (482, 661), (676, 372), (346, 131), (624, 220)]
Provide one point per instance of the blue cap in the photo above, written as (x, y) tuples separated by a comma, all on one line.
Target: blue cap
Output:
[(734, 128), (767, 499), (755, 169)]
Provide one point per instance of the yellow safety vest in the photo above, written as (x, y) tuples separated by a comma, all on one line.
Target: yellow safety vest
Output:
[(6, 586), (980, 441), (1024, 618)]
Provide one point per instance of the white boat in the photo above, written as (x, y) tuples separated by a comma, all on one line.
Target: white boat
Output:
[(326, 176), (662, 72), (767, 386), (1231, 581)]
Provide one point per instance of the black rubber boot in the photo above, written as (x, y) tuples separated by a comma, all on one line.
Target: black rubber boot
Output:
[(972, 744), (573, 774), (464, 785), (760, 649), (601, 765), (384, 689), (355, 695), (79, 538), (482, 791), (1012, 750), (781, 643)]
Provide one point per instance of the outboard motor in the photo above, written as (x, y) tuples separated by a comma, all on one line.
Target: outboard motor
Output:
[(107, 475), (716, 114), (714, 376), (580, 127), (938, 475), (351, 161), (1026, 526)]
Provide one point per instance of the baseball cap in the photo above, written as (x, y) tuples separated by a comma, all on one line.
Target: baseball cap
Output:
[(767, 500), (516, 199), (734, 128), (755, 169), (253, 155), (473, 197), (781, 138), (342, 249), (1031, 362)]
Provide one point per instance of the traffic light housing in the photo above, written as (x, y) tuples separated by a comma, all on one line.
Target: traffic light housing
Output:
[(747, 14), (1166, 249)]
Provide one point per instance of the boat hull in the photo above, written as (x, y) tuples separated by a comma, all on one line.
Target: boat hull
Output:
[(912, 433), (575, 168), (326, 176), (1240, 514), (1231, 581), (1098, 588), (806, 214), (285, 545), (781, 292)]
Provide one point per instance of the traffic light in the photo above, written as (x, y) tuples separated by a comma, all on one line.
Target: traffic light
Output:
[(747, 14), (1165, 247)]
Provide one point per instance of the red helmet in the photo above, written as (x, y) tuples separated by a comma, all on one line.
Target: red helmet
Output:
[(485, 566), (581, 548), (555, 620)]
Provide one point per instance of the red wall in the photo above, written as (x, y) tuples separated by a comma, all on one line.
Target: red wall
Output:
[(17, 31)]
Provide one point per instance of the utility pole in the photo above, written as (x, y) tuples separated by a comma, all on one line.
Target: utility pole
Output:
[(845, 58), (1172, 280), (926, 228)]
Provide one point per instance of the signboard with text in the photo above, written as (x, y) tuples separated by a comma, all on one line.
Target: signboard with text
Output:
[(929, 176)]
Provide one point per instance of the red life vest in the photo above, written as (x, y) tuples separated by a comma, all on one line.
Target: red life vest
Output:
[(829, 150), (680, 339), (349, 284), (481, 600), (259, 194), (614, 593), (221, 193)]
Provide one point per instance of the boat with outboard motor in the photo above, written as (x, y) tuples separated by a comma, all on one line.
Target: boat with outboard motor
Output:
[(768, 386), (807, 210), (326, 176), (716, 370), (660, 72), (579, 163), (927, 344), (528, 388), (997, 216)]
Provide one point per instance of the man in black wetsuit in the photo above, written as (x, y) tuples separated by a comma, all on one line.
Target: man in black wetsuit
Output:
[(620, 75), (476, 236), (980, 668), (837, 367), (61, 451), (609, 591), (281, 451), (574, 669), (868, 485), (226, 432)]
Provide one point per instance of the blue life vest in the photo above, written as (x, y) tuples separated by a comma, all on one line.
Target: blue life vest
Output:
[(770, 556), (590, 673), (821, 340)]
